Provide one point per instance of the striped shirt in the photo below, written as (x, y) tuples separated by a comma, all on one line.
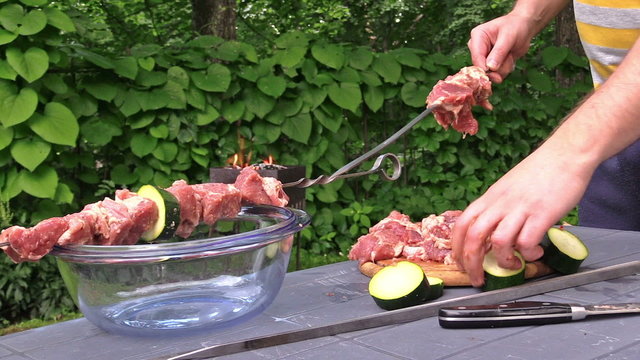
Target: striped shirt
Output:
[(608, 29)]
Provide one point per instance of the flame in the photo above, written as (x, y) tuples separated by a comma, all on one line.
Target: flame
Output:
[(269, 160)]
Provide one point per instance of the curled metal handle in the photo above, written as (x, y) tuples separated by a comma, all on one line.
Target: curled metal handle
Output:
[(376, 168)]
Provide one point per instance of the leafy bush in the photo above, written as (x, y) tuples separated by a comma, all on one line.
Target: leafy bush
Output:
[(79, 123)]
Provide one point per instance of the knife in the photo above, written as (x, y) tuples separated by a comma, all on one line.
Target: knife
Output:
[(522, 313)]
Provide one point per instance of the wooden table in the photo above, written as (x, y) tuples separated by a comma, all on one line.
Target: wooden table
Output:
[(336, 292)]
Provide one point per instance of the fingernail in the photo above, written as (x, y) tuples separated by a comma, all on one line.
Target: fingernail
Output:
[(492, 64)]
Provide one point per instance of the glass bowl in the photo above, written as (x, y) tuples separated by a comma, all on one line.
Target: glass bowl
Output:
[(220, 276)]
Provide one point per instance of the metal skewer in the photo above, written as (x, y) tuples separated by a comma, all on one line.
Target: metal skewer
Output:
[(340, 173)]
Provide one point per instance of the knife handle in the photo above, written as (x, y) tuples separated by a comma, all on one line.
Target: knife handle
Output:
[(517, 313)]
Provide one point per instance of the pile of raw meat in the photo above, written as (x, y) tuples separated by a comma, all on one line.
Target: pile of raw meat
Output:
[(123, 220), (397, 236), (452, 99)]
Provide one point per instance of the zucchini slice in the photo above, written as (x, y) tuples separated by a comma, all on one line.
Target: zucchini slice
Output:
[(168, 212), (564, 252), (436, 287), (496, 277), (400, 285)]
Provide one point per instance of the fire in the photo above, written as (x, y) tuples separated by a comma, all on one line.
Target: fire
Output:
[(239, 160), (269, 160)]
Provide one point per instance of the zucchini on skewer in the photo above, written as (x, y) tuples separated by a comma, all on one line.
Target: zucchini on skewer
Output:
[(168, 212), (400, 285), (565, 252)]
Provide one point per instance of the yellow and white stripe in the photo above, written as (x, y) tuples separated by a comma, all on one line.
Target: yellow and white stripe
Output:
[(608, 29)]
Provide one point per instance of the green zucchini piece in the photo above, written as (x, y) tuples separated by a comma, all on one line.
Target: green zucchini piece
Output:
[(564, 252), (436, 287), (496, 277), (400, 285), (168, 212)]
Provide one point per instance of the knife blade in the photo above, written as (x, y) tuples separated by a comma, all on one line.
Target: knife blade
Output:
[(525, 313), (414, 313)]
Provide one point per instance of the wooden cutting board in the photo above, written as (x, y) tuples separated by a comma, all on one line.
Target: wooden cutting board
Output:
[(450, 274)]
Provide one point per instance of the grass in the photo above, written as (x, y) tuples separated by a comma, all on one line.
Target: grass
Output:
[(36, 323)]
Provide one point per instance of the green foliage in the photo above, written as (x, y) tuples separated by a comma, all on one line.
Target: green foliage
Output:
[(83, 116)]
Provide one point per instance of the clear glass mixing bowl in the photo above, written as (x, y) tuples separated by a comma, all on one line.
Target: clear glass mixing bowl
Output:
[(221, 276)]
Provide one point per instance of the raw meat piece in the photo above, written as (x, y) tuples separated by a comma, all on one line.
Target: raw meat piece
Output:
[(113, 222), (31, 244), (142, 211), (190, 207), (452, 99), (218, 201), (80, 230), (260, 190), (396, 235)]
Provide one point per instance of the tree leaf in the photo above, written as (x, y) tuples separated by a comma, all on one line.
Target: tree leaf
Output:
[(414, 95), (346, 95), (216, 79), (101, 130), (291, 56), (298, 127), (258, 103), (178, 75), (165, 151), (6, 137), (41, 183), (539, 81), (101, 89), (374, 97), (233, 111), (151, 78), (126, 67), (333, 123), (55, 83), (408, 57), (18, 108), (64, 194), (196, 98), (35, 2), (360, 58), (121, 174), (33, 22), (272, 85), (7, 36), (553, 56), (11, 186), (6, 71), (331, 55), (30, 152), (57, 125), (59, 19), (11, 16), (207, 117), (292, 39), (92, 57), (31, 64), (147, 63), (388, 67), (265, 133)]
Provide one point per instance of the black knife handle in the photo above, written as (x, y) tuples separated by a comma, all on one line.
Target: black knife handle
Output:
[(517, 313)]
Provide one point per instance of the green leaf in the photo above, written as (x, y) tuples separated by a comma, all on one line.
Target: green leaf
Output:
[(144, 50), (142, 121), (361, 58), (174, 92), (165, 151), (346, 95), (41, 183), (291, 56), (347, 74), (101, 130), (31, 64), (216, 79), (33, 22), (11, 16), (64, 194), (126, 67), (258, 103), (147, 63), (59, 19), (151, 78), (55, 83), (388, 67), (196, 98), (539, 81), (6, 71), (333, 123), (96, 59), (83, 105), (228, 51), (314, 96), (374, 97), (414, 95), (292, 39), (35, 2), (57, 125), (330, 55), (142, 144), (7, 36), (121, 174), (6, 137), (553, 56), (370, 78), (233, 112), (161, 131), (266, 133), (272, 85), (179, 76), (207, 117), (407, 57), (11, 186), (101, 89), (30, 152), (18, 108), (298, 127)]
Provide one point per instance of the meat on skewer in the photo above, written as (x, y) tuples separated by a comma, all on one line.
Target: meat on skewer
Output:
[(123, 220)]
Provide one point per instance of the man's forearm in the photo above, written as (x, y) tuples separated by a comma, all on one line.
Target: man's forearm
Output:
[(541, 12), (608, 121)]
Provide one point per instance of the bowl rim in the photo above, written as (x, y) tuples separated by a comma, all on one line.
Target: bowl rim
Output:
[(292, 221)]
